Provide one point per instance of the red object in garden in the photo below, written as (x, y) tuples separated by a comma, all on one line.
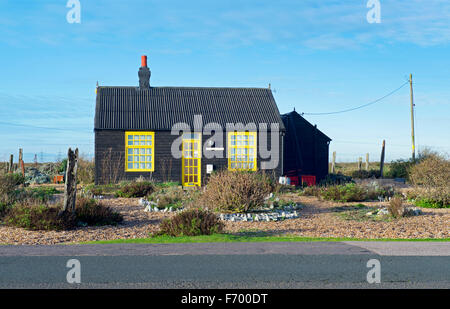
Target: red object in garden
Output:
[(309, 180), (294, 180), (58, 179)]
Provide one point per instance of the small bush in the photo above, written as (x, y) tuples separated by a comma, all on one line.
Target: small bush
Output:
[(61, 167), (431, 178), (344, 193), (86, 170), (430, 203), (335, 179), (169, 197), (33, 215), (43, 194), (395, 207), (399, 169), (136, 189), (91, 212), (311, 191), (192, 222), (362, 174), (235, 191), (9, 184)]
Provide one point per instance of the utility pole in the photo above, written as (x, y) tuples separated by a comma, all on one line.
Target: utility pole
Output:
[(412, 118)]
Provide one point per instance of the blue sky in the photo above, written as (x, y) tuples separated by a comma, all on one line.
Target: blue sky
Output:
[(319, 56)]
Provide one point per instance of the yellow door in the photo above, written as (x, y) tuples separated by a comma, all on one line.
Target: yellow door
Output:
[(191, 160)]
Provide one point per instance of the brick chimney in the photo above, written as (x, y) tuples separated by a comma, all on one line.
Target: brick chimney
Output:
[(144, 74)]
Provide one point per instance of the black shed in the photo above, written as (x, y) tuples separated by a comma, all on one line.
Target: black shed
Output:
[(305, 148)]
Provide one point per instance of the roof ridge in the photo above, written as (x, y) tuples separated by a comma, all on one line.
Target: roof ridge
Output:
[(184, 87)]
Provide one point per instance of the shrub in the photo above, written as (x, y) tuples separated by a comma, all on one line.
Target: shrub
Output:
[(311, 191), (399, 169), (361, 174), (43, 194), (86, 170), (345, 193), (91, 212), (191, 222), (61, 168), (431, 178), (430, 203), (135, 189), (169, 197), (395, 207), (335, 179), (235, 191), (8, 187), (32, 215)]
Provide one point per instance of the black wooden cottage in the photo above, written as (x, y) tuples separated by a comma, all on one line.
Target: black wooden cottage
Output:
[(184, 133)]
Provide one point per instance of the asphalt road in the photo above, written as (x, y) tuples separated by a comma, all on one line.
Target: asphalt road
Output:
[(229, 265)]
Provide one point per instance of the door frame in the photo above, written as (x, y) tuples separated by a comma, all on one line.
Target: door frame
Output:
[(192, 139)]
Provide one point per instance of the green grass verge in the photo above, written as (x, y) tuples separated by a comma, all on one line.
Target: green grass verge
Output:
[(246, 237)]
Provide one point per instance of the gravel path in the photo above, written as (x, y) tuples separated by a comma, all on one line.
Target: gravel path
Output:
[(317, 219)]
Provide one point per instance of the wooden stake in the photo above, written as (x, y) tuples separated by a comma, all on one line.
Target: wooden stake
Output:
[(70, 186), (367, 161), (11, 164), (359, 163), (382, 159), (333, 163), (21, 165)]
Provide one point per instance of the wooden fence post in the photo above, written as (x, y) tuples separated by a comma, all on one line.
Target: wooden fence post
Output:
[(11, 164), (21, 164), (333, 163), (70, 186), (382, 159), (359, 163), (367, 161)]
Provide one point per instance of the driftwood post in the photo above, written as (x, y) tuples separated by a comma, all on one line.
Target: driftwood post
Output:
[(382, 159), (21, 164), (333, 163), (367, 161), (70, 186), (11, 164), (359, 163)]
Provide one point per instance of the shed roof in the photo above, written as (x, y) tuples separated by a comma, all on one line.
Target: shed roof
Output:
[(294, 116), (160, 108)]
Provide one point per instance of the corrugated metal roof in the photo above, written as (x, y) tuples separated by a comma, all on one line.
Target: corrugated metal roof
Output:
[(292, 115), (159, 108)]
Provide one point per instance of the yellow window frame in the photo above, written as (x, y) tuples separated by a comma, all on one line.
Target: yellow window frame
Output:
[(242, 151), (141, 147)]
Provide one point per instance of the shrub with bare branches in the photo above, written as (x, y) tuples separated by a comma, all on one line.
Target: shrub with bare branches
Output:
[(431, 177), (235, 191)]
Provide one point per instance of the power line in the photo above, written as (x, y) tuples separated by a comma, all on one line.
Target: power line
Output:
[(361, 106), (44, 128)]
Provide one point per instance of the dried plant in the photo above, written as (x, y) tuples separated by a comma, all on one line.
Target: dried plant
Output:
[(395, 207), (235, 191)]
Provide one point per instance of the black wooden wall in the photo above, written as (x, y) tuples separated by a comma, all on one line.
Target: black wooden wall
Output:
[(306, 148), (110, 158)]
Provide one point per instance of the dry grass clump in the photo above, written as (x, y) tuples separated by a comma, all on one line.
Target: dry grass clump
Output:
[(86, 170), (395, 207), (235, 191)]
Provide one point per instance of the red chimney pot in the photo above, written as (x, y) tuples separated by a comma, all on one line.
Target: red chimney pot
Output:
[(144, 61)]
